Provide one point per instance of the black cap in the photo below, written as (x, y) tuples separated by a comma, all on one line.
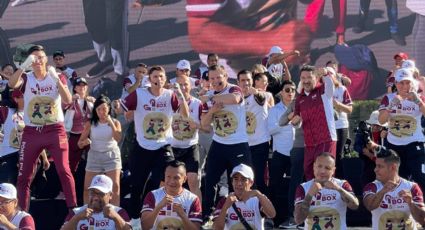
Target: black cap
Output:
[(80, 80), (58, 53)]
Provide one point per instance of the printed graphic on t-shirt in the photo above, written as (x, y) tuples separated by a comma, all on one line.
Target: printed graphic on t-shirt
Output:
[(225, 123), (170, 223), (324, 218), (16, 134), (251, 123), (155, 126), (402, 125), (42, 110), (395, 220), (240, 226), (181, 128)]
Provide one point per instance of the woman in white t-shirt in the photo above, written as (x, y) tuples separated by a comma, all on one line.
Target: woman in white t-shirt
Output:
[(102, 133)]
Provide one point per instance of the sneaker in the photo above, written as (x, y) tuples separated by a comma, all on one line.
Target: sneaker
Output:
[(398, 39), (207, 223), (100, 68), (268, 224), (288, 224), (18, 2), (136, 224)]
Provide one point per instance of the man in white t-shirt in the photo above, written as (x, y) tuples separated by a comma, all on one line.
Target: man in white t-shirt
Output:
[(230, 140), (98, 213), (322, 202), (256, 125), (244, 202), (138, 79), (394, 201), (44, 93), (153, 109), (183, 71), (172, 206)]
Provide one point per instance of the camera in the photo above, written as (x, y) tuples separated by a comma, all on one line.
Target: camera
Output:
[(363, 130)]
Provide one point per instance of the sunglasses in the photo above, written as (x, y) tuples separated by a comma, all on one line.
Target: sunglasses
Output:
[(289, 90)]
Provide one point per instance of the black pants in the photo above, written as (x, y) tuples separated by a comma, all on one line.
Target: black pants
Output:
[(280, 165), (103, 19), (342, 135), (297, 175), (9, 168), (221, 157), (412, 158), (259, 156), (142, 163)]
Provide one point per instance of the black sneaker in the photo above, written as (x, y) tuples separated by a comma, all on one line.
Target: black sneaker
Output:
[(288, 224), (100, 68), (398, 39)]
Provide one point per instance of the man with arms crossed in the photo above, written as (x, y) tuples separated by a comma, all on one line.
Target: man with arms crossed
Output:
[(98, 213), (393, 200), (172, 206), (322, 202)]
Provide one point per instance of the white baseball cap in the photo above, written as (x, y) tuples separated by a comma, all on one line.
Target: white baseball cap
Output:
[(7, 191), (409, 64), (183, 64), (275, 50), (244, 170), (373, 119), (102, 183), (404, 74)]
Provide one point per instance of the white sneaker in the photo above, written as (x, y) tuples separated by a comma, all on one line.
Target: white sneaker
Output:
[(18, 2), (136, 224)]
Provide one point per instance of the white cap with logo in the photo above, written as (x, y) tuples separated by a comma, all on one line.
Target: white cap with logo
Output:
[(8, 191), (275, 50), (102, 183), (183, 64), (244, 170), (403, 74), (409, 64)]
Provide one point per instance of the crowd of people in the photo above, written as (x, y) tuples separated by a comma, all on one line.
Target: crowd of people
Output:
[(211, 153)]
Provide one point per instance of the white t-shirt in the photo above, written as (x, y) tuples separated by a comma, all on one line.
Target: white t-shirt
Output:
[(404, 123), (183, 135), (229, 124), (42, 102), (152, 117), (393, 212), (97, 221), (256, 121), (327, 209), (167, 218), (341, 95), (130, 80), (249, 209)]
